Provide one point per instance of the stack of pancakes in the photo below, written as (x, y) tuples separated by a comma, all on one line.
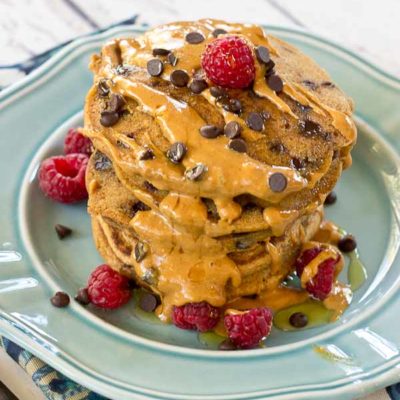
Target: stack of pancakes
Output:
[(188, 212)]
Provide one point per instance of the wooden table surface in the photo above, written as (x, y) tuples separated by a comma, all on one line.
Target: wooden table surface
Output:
[(29, 27)]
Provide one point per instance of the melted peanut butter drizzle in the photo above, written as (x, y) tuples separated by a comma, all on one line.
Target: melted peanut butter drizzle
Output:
[(192, 265)]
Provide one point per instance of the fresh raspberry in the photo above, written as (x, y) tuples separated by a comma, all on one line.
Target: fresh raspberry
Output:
[(247, 329), (229, 62), (321, 284), (107, 288), (75, 142), (62, 178), (198, 316)]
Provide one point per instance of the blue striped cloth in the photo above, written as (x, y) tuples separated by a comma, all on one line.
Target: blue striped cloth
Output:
[(53, 384)]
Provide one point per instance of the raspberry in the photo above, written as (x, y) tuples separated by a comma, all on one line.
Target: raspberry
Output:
[(75, 142), (107, 288), (321, 284), (247, 329), (197, 316), (229, 62), (62, 178)]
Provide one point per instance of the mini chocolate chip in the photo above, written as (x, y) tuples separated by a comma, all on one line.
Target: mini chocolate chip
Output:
[(194, 37), (347, 244), (148, 302), (108, 118), (60, 300), (172, 59), (146, 154), (217, 92), (275, 83), (139, 206), (298, 320), (310, 84), (277, 182), (179, 78), (62, 231), (155, 67), (297, 163), (210, 131), (232, 130), (176, 152), (227, 345), (328, 84), (116, 103), (277, 147), (198, 85), (102, 162), (238, 145), (255, 121), (330, 199), (195, 173), (270, 65), (219, 31), (82, 297), (233, 106), (265, 115), (262, 54), (140, 251), (310, 127), (149, 186), (160, 52), (102, 88)]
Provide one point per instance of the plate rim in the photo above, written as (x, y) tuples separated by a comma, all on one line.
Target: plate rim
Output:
[(25, 84)]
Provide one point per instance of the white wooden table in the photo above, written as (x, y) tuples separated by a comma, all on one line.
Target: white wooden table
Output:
[(29, 27)]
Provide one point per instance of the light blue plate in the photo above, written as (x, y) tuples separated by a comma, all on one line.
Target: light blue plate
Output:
[(125, 355)]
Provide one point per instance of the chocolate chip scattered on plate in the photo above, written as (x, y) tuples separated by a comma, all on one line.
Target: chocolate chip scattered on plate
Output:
[(62, 231), (60, 300), (82, 297), (298, 320)]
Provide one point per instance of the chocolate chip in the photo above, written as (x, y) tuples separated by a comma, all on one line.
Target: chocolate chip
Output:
[(60, 300), (176, 152), (102, 162), (328, 84), (210, 131), (238, 145), (146, 154), (139, 206), (148, 302), (150, 276), (310, 128), (310, 84), (160, 52), (298, 320), (149, 186), (198, 85), (270, 65), (277, 147), (232, 130), (330, 199), (108, 118), (275, 83), (233, 106), (82, 297), (62, 231), (262, 54), (102, 88), (277, 182), (172, 59), (226, 345), (195, 173), (116, 103), (255, 121), (297, 163), (194, 37), (155, 67), (265, 115), (218, 32), (122, 144), (217, 92), (347, 244), (179, 78), (140, 251)]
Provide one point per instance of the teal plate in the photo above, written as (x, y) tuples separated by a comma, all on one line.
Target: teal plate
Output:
[(129, 355)]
